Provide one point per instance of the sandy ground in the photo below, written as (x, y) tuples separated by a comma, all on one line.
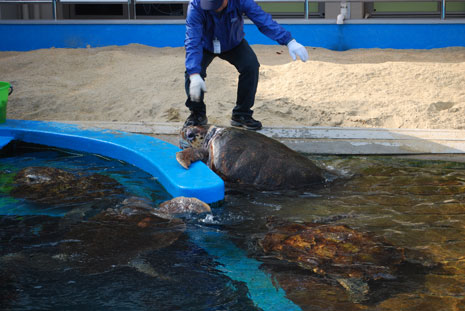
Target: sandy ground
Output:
[(357, 88)]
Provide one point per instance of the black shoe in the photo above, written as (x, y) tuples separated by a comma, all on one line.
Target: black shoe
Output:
[(246, 121), (196, 118)]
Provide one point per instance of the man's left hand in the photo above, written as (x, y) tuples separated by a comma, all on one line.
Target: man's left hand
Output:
[(297, 49)]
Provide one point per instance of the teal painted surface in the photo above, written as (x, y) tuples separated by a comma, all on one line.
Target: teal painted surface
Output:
[(152, 155)]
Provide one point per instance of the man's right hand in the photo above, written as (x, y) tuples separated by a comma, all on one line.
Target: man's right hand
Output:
[(196, 87)]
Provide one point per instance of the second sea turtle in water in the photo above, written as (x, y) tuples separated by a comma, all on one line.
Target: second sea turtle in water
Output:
[(350, 257), (248, 158), (50, 185), (121, 235)]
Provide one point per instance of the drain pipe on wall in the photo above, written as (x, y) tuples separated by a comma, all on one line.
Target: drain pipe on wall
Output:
[(345, 13)]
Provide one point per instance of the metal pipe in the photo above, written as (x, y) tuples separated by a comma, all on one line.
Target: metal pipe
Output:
[(134, 3), (54, 9), (443, 11), (306, 9)]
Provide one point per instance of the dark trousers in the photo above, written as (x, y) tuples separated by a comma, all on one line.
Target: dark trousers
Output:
[(244, 59)]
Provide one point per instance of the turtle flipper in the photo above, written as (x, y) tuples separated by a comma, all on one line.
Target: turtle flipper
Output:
[(189, 155), (144, 267), (357, 288)]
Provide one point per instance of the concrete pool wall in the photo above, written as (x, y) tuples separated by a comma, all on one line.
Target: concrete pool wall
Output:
[(326, 140)]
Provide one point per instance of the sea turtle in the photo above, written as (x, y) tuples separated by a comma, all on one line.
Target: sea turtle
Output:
[(49, 185), (350, 257), (121, 235), (174, 208), (182, 206), (247, 158)]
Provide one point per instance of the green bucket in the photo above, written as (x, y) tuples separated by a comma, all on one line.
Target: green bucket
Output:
[(5, 90)]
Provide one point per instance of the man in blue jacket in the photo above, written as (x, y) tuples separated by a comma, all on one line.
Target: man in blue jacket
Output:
[(216, 28)]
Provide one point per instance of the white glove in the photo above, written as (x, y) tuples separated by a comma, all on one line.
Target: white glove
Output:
[(196, 87), (297, 49)]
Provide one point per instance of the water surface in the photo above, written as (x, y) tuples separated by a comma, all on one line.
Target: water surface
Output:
[(418, 205), (415, 205)]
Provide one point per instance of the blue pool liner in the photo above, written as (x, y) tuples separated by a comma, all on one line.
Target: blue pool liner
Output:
[(235, 264), (150, 154)]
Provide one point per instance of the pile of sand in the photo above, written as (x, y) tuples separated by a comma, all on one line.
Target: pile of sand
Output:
[(356, 88)]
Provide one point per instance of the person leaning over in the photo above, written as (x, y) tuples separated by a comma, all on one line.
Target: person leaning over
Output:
[(216, 28)]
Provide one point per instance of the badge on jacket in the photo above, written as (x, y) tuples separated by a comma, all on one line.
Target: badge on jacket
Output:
[(216, 46)]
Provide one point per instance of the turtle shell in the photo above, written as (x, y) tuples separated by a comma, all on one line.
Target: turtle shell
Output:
[(332, 250), (116, 236), (249, 158), (49, 185)]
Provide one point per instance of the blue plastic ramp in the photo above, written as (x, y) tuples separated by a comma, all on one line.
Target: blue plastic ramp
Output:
[(152, 155), (4, 141)]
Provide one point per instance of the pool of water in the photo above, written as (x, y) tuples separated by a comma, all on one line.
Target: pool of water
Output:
[(20, 155), (415, 205), (33, 237)]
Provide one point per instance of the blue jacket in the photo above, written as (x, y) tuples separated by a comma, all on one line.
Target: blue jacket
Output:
[(203, 26)]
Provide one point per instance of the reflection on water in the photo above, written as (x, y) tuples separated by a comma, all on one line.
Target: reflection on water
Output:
[(415, 205)]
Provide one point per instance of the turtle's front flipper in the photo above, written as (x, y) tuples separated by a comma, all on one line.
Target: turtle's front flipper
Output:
[(357, 288), (143, 266), (189, 155)]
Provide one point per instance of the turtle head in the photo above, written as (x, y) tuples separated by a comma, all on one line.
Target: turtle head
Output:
[(193, 136)]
